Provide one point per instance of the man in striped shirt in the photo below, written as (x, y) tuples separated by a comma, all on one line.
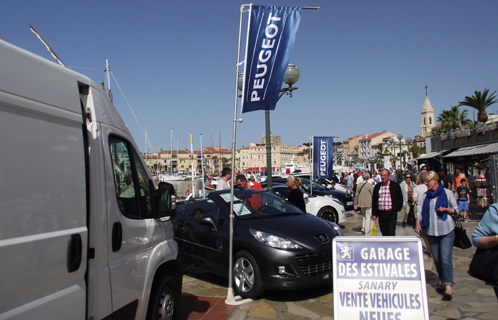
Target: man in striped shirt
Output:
[(387, 200)]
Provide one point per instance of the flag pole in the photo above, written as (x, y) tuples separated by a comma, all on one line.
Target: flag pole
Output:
[(231, 299)]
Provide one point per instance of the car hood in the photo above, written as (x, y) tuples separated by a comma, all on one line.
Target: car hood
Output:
[(289, 225), (335, 193)]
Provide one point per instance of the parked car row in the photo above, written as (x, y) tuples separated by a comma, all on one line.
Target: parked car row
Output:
[(314, 188)]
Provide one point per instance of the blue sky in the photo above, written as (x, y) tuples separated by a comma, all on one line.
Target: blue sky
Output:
[(364, 64)]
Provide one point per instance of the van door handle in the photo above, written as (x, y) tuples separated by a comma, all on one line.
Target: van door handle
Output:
[(117, 236), (74, 253)]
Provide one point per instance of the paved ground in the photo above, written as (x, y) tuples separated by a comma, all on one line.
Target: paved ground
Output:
[(472, 299)]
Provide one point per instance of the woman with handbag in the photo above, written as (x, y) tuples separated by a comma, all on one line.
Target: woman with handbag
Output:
[(409, 190), (485, 236), (433, 218)]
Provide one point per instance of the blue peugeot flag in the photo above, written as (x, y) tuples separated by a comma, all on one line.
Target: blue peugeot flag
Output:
[(271, 36), (323, 157)]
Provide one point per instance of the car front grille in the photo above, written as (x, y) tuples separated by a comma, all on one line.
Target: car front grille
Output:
[(315, 263)]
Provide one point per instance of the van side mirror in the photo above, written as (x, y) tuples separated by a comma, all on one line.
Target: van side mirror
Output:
[(165, 202)]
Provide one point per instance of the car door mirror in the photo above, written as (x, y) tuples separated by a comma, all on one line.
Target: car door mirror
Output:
[(165, 202), (306, 196), (208, 221)]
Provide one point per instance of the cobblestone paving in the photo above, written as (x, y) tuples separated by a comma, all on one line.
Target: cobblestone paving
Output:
[(472, 299)]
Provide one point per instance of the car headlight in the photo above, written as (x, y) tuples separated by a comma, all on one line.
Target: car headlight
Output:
[(274, 241), (336, 228), (337, 201)]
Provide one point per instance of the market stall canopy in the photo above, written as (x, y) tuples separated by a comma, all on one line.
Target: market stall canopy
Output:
[(490, 148), (429, 155)]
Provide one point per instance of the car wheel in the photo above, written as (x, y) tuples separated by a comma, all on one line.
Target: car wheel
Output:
[(164, 300), (247, 276), (329, 214)]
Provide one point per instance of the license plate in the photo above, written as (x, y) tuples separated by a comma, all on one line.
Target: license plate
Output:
[(349, 203)]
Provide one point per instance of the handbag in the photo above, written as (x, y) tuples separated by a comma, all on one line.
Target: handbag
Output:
[(461, 238), (411, 216), (484, 265)]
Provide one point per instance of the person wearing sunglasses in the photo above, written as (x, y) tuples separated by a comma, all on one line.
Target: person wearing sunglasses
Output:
[(435, 210), (409, 190)]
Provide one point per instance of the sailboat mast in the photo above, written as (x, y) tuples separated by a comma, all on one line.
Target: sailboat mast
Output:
[(171, 151), (192, 152), (202, 169)]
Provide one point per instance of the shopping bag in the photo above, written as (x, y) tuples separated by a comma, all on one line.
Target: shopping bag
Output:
[(374, 229), (461, 238), (484, 265)]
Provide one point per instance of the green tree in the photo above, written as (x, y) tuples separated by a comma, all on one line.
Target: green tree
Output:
[(453, 118), (415, 150), (480, 102)]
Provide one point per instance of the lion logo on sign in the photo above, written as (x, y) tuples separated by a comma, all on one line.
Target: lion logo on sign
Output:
[(346, 252)]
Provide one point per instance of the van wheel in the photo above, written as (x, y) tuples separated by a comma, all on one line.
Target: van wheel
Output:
[(164, 300), (329, 214), (247, 276)]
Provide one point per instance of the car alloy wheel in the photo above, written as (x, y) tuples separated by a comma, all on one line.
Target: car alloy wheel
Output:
[(246, 275), (329, 214)]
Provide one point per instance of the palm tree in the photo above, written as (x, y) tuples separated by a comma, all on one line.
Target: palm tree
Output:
[(415, 150), (452, 119), (480, 102)]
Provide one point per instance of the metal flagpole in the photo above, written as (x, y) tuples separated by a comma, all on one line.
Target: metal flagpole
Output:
[(230, 297)]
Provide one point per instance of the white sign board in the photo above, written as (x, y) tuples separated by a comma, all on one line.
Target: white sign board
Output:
[(387, 162), (379, 278)]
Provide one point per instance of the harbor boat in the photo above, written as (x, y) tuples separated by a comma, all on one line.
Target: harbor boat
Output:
[(171, 177), (210, 183)]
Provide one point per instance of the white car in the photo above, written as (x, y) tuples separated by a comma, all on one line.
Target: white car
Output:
[(326, 208)]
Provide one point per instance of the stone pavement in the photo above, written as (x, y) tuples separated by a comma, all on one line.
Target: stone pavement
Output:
[(472, 299)]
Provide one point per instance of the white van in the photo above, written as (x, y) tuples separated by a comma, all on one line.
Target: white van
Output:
[(84, 232)]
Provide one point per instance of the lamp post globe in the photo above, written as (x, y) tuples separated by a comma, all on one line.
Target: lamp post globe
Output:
[(240, 81), (409, 140), (292, 74), (399, 136)]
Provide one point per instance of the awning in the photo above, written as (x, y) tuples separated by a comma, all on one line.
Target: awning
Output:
[(430, 155), (474, 150)]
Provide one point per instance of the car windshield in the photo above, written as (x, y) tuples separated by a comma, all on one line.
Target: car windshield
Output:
[(316, 186), (260, 204)]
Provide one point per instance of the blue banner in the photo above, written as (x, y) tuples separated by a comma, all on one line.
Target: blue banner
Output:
[(271, 36), (323, 157)]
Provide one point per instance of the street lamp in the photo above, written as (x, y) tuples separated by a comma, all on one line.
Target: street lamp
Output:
[(393, 144), (291, 76)]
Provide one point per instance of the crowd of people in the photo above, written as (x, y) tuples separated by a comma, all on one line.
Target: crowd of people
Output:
[(430, 202)]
